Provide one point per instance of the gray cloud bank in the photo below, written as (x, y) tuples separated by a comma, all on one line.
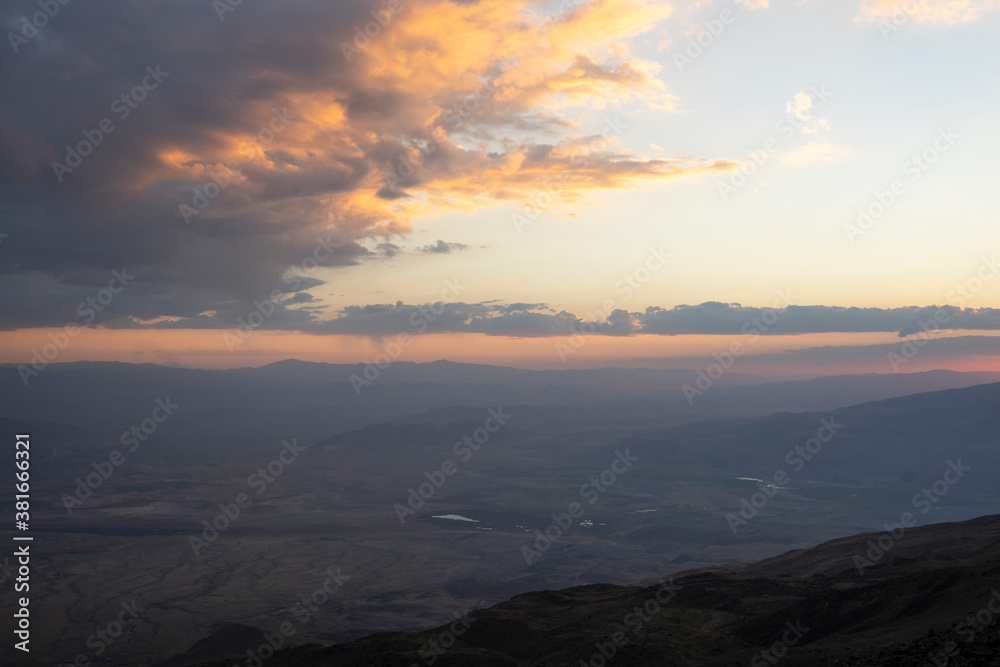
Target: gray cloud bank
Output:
[(532, 320)]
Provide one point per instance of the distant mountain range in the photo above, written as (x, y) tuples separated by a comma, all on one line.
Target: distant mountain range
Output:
[(803, 469), (92, 389)]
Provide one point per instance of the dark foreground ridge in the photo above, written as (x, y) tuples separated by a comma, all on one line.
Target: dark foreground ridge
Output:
[(931, 598)]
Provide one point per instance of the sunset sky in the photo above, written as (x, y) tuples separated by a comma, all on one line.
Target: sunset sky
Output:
[(812, 179)]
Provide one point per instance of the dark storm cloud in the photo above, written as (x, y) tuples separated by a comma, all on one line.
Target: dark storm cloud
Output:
[(283, 136), (115, 208)]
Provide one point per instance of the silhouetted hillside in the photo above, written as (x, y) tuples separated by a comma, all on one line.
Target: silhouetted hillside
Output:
[(913, 604)]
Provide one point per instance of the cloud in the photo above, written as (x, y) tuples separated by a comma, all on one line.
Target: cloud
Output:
[(531, 320), (388, 249), (665, 43), (801, 107), (930, 353), (934, 12), (722, 318), (816, 152), (277, 135), (442, 248), (521, 320)]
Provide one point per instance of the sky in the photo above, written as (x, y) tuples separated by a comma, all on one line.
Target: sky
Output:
[(805, 185)]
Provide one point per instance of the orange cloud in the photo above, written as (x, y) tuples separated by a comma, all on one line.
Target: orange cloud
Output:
[(451, 106)]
